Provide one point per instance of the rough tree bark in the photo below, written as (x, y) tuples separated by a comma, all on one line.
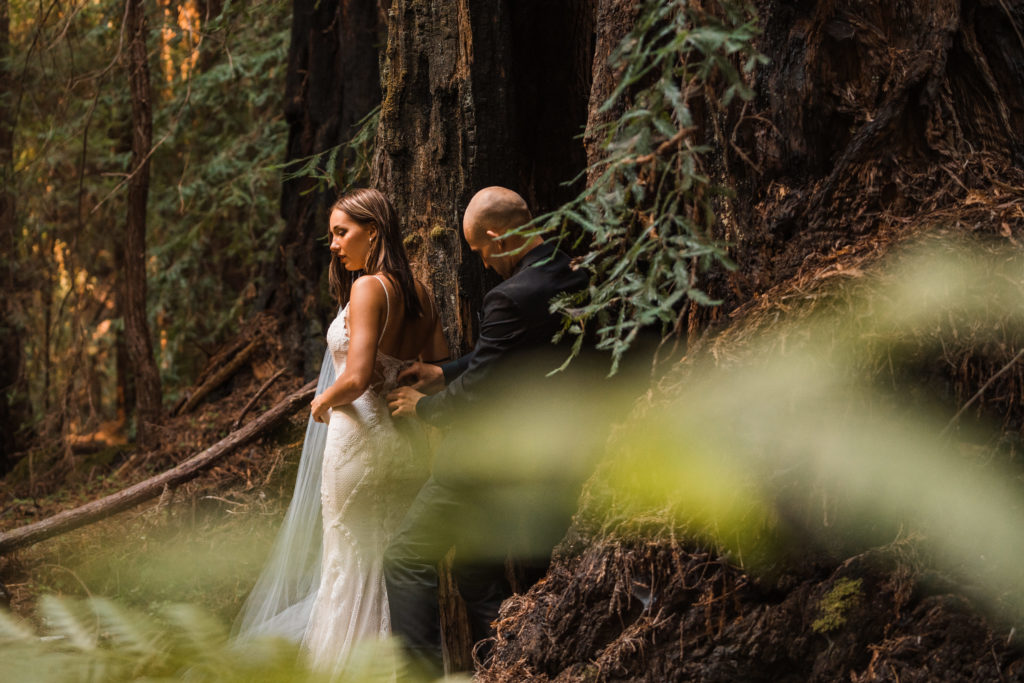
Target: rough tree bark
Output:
[(869, 113), (614, 20), (471, 100), (137, 336), (331, 84)]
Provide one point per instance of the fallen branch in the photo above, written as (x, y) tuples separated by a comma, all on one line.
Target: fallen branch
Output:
[(248, 406), (218, 378), (152, 487)]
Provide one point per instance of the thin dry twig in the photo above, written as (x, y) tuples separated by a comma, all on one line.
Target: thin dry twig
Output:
[(248, 406), (981, 391)]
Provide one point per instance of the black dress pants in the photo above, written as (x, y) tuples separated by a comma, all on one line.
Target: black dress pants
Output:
[(441, 516)]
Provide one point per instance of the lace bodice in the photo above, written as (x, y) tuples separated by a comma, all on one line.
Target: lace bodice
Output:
[(386, 368)]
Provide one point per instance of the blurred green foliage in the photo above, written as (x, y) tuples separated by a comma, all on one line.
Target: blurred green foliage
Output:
[(836, 427), (798, 438), (98, 640)]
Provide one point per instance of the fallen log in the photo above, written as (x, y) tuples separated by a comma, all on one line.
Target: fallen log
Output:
[(152, 487), (218, 378)]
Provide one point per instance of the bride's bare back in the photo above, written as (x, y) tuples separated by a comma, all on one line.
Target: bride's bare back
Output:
[(410, 339)]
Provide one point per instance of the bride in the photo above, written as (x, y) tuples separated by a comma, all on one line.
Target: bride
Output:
[(330, 595)]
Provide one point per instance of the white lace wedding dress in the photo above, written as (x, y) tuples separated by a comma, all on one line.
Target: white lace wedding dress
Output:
[(373, 467)]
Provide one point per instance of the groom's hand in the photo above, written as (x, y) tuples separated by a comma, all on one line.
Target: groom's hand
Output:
[(424, 377), (402, 401)]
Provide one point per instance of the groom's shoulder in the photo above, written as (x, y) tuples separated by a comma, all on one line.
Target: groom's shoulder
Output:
[(547, 273)]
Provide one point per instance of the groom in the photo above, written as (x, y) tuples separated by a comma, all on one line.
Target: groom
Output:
[(480, 498)]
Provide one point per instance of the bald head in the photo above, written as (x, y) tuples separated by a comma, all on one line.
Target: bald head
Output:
[(494, 208), (491, 214)]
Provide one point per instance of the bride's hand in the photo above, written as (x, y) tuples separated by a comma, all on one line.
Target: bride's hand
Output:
[(321, 412)]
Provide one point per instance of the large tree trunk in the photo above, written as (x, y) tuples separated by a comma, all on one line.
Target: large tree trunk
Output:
[(13, 394), (615, 19), (869, 113), (140, 347), (332, 83), (872, 120), (471, 100)]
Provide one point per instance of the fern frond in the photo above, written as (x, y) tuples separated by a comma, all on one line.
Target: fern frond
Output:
[(128, 631), (63, 618), (13, 629)]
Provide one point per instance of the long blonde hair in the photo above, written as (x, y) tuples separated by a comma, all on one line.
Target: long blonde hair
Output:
[(387, 253)]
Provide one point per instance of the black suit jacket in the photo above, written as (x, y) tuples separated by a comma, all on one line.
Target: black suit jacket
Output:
[(516, 328)]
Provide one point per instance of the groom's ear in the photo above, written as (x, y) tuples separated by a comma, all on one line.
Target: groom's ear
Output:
[(493, 235)]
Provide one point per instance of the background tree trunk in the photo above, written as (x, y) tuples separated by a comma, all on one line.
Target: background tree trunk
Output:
[(867, 113), (140, 347), (332, 83), (615, 19), (13, 392)]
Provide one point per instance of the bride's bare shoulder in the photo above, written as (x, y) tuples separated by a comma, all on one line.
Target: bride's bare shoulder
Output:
[(367, 292)]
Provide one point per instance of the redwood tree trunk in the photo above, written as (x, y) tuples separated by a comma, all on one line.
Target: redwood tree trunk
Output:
[(869, 114), (332, 83), (471, 100), (615, 19), (870, 117), (140, 348)]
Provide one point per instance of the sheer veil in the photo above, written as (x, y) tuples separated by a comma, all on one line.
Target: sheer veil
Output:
[(282, 599)]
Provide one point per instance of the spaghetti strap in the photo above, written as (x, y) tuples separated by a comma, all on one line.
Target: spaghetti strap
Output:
[(387, 309)]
